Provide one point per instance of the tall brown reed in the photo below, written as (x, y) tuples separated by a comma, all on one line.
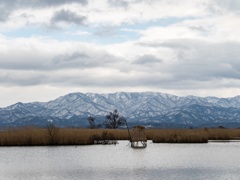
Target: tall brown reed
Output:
[(32, 136), (178, 136)]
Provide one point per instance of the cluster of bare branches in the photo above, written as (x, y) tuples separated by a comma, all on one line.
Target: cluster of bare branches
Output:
[(52, 132), (113, 121)]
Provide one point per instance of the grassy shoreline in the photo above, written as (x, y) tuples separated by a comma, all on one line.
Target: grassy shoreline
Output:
[(33, 136)]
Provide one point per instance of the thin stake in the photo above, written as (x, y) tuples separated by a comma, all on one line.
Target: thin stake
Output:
[(128, 131)]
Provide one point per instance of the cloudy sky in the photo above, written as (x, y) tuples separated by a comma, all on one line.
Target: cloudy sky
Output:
[(49, 48)]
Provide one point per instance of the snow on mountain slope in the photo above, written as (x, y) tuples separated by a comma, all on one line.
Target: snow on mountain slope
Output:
[(145, 107)]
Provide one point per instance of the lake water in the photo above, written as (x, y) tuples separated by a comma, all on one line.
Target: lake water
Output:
[(157, 161)]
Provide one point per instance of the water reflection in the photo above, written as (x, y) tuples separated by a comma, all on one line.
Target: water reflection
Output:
[(157, 161)]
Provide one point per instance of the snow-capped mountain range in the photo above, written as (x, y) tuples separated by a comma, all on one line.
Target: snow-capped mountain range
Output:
[(148, 108)]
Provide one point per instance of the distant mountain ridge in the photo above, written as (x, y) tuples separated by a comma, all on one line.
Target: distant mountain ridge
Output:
[(148, 108)]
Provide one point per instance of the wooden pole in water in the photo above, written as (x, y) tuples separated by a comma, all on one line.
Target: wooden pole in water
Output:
[(130, 138)]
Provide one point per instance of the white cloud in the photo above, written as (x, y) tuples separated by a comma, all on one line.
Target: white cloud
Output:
[(181, 47), (79, 33)]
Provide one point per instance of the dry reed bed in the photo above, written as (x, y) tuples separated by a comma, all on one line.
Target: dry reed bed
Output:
[(191, 135), (32, 136), (178, 136)]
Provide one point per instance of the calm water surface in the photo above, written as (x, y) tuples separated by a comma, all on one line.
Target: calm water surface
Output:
[(158, 161)]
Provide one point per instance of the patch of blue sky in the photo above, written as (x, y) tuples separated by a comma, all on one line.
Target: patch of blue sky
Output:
[(163, 22), (111, 34), (97, 35), (70, 35), (22, 32), (57, 34), (131, 32), (116, 35)]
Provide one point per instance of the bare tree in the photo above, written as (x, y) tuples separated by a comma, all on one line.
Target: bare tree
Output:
[(91, 121), (52, 132), (114, 120)]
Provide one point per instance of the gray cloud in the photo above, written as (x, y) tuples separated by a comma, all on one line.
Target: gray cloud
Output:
[(119, 3), (125, 3), (4, 15), (202, 61), (30, 59), (67, 17), (198, 64), (7, 7), (39, 3), (80, 60), (221, 7), (22, 78), (17, 60), (5, 11), (57, 2), (230, 5), (192, 64), (74, 60), (105, 31), (147, 59)]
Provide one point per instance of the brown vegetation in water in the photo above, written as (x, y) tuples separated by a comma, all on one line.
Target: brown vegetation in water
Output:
[(32, 136), (191, 135), (178, 136)]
